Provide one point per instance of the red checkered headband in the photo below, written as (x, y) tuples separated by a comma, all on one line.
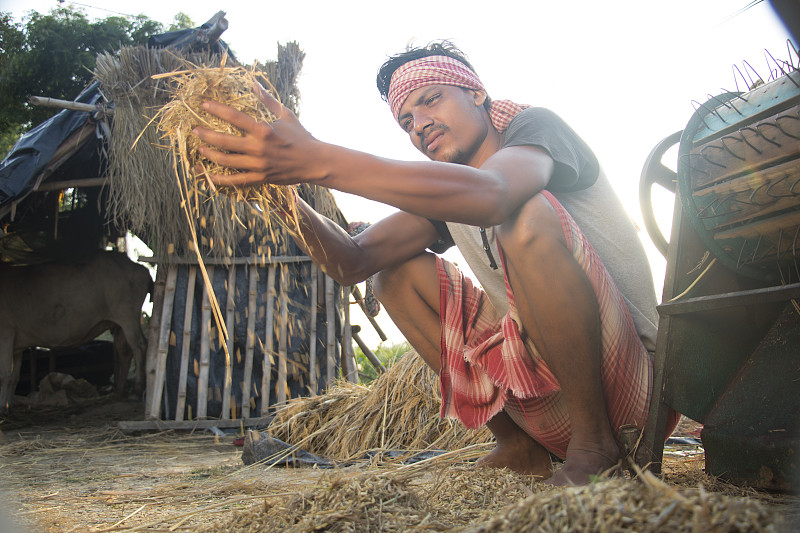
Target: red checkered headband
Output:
[(444, 70)]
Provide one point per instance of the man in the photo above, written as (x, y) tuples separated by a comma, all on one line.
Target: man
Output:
[(547, 356)]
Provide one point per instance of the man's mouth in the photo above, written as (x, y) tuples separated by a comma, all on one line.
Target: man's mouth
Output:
[(433, 140)]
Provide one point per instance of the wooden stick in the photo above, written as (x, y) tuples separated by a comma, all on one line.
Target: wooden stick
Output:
[(312, 341), (190, 425), (251, 341), (205, 348), (230, 313), (269, 332), (348, 357), (180, 406), (46, 101), (283, 335), (154, 410), (330, 345), (250, 260), (151, 359), (356, 292), (72, 184), (367, 352)]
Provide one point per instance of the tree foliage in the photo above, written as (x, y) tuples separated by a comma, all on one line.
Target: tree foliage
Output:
[(387, 355), (53, 55)]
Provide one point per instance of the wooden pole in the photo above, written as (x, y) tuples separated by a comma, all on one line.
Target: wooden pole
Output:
[(163, 343), (349, 369), (205, 349), (330, 345), (180, 406), (46, 101), (72, 184), (283, 338), (356, 292), (151, 359), (312, 341), (230, 317), (367, 352), (247, 378), (269, 332)]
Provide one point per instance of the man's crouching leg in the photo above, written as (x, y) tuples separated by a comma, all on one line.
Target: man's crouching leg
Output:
[(559, 313), (410, 294), (515, 449)]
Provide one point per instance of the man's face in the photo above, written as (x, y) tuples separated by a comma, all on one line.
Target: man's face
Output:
[(446, 123)]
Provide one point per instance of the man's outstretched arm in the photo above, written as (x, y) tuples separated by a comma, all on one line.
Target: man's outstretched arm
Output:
[(283, 152)]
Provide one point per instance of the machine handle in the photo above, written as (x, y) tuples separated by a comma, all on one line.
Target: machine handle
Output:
[(654, 171)]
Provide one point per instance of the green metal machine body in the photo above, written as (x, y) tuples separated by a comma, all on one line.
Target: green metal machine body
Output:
[(728, 350)]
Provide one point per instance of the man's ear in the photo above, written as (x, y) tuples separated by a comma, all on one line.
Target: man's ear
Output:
[(480, 97)]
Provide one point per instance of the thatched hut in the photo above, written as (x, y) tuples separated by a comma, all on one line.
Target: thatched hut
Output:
[(286, 324)]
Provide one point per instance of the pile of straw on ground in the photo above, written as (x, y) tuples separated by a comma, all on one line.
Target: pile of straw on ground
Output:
[(461, 498), (645, 504), (399, 411)]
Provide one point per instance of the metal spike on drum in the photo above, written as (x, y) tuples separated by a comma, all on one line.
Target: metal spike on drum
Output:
[(739, 176)]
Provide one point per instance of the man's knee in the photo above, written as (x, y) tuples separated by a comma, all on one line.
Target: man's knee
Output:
[(534, 227), (403, 276)]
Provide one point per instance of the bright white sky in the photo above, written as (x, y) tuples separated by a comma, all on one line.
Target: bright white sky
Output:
[(622, 73)]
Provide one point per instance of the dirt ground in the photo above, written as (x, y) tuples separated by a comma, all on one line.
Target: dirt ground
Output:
[(73, 470)]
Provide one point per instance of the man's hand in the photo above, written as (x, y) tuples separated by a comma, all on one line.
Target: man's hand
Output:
[(277, 152)]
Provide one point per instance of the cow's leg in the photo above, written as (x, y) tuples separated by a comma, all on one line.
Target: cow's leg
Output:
[(122, 361), (10, 364), (133, 345)]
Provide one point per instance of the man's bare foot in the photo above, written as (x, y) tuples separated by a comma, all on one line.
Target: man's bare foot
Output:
[(582, 466), (521, 457)]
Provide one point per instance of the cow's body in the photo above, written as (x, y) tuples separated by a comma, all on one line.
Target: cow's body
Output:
[(67, 304)]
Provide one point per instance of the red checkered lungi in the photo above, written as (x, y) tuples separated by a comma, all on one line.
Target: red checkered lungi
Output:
[(487, 366)]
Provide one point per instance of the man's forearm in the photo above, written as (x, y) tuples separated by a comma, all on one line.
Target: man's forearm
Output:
[(328, 245), (434, 190), (483, 196)]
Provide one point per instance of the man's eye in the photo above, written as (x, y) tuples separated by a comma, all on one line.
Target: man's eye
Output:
[(432, 99), (406, 125)]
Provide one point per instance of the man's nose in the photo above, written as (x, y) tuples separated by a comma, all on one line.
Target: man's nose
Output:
[(421, 121)]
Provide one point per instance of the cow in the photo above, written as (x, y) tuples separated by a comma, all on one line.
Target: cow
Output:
[(66, 304)]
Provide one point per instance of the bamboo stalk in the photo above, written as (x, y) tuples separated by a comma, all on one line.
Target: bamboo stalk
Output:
[(163, 343), (230, 309), (312, 342), (282, 338), (349, 368), (376, 363), (46, 101), (205, 348), (249, 260), (330, 345), (356, 292), (266, 376), (72, 184), (187, 338), (151, 359), (251, 341)]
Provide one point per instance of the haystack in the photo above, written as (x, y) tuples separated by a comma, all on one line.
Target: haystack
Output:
[(398, 411)]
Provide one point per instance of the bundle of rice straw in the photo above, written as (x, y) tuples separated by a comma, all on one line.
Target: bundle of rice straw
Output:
[(483, 500), (359, 503), (232, 86), (143, 196), (398, 411), (645, 505)]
